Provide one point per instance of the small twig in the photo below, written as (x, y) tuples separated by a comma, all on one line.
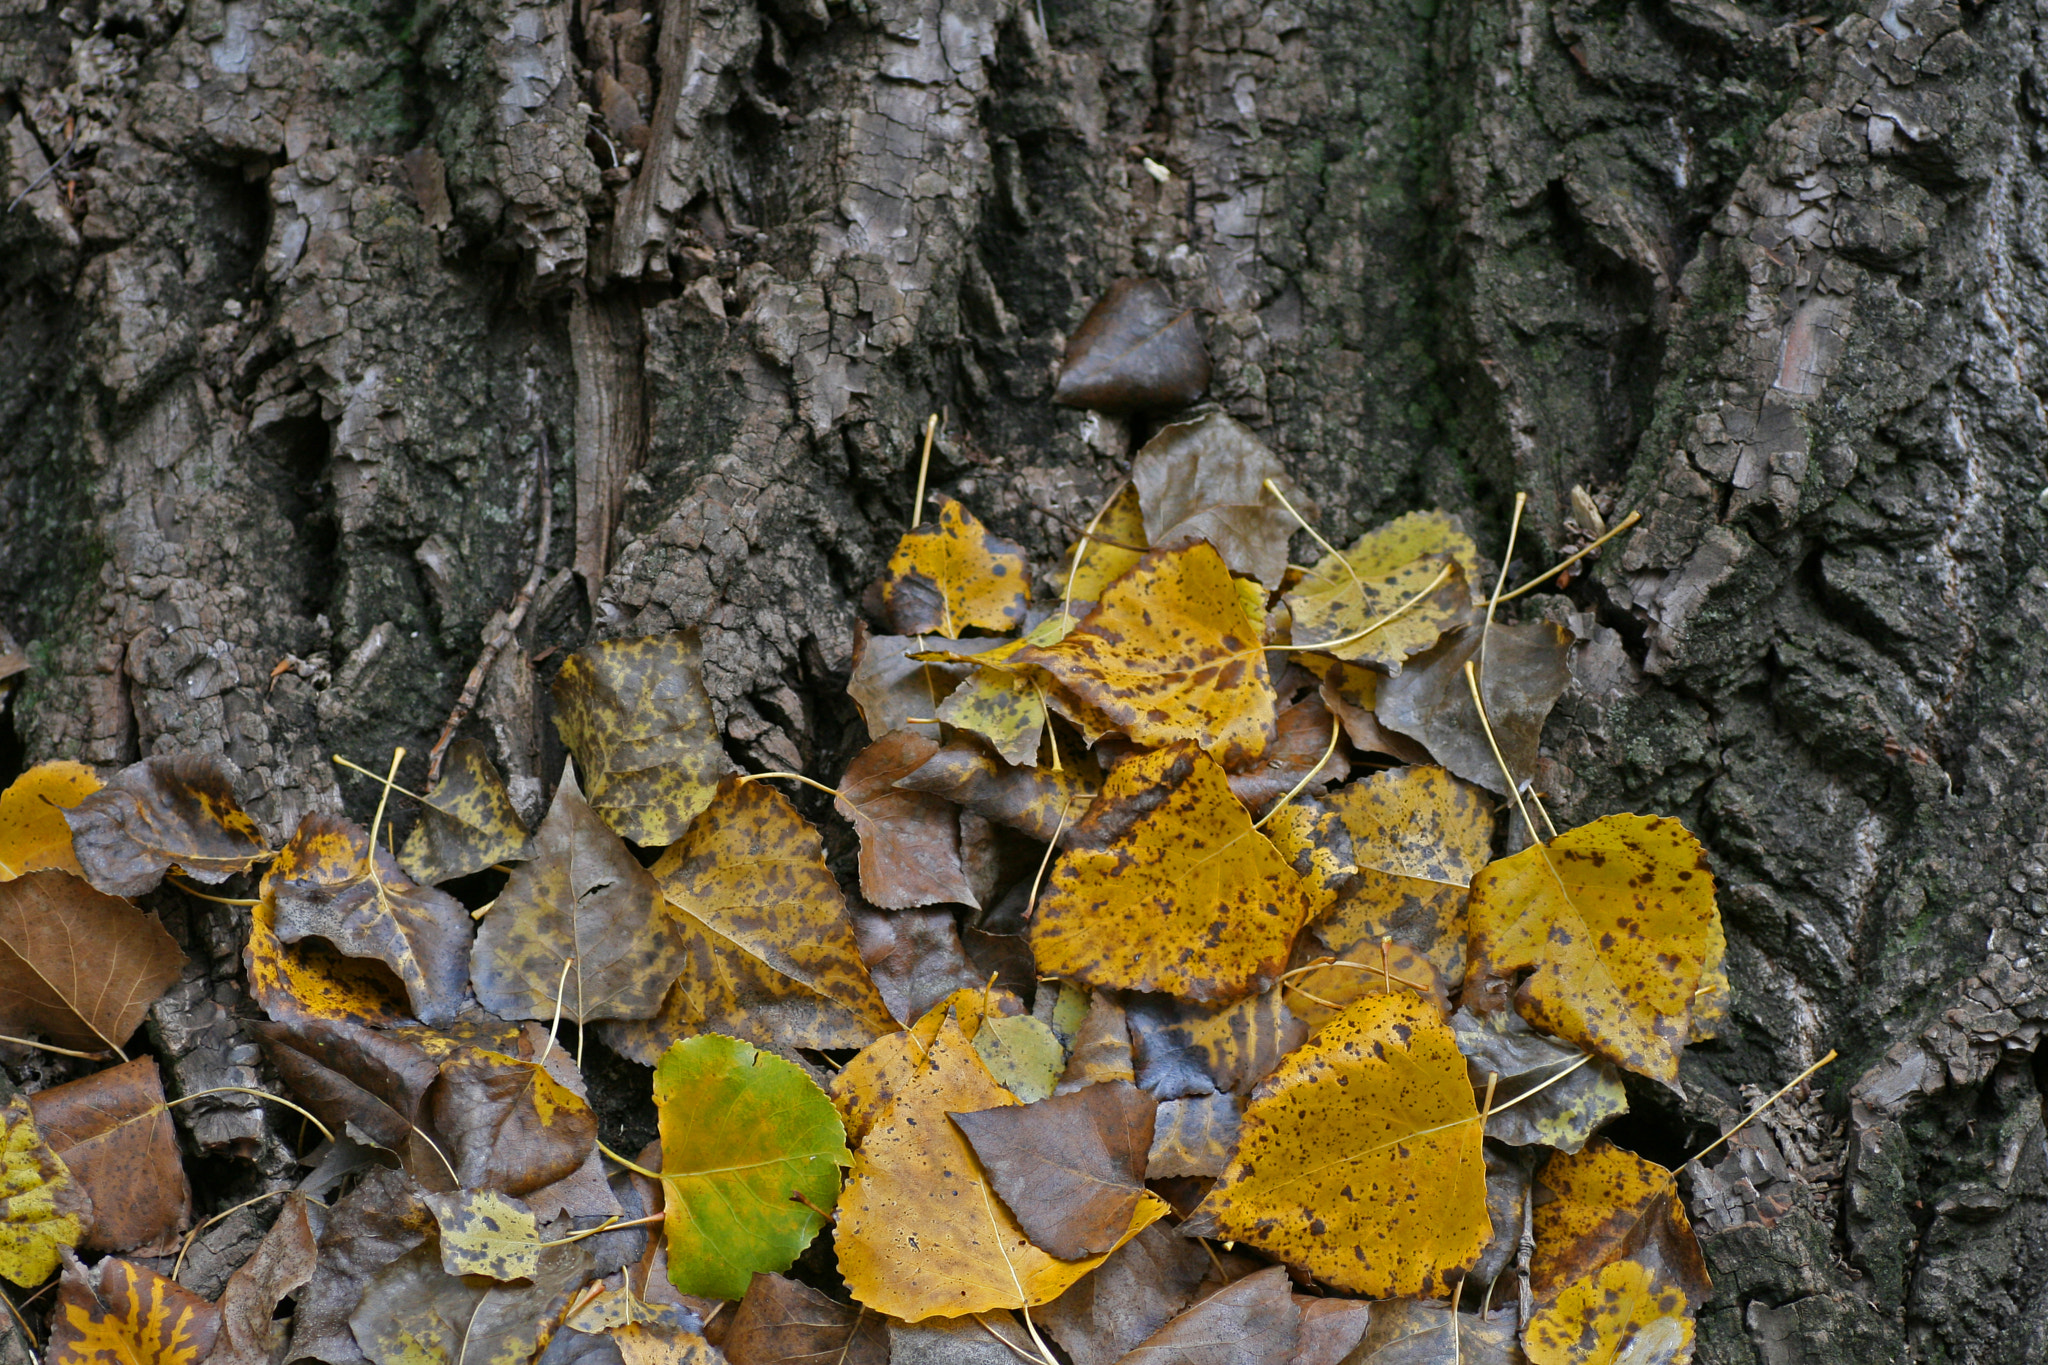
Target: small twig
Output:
[(49, 173), (924, 467), (1536, 582), (52, 1047), (259, 1094), (1748, 1118), (514, 618)]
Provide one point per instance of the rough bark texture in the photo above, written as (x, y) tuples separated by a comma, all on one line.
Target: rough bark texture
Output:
[(294, 295)]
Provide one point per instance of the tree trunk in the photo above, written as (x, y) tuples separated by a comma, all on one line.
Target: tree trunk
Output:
[(305, 307)]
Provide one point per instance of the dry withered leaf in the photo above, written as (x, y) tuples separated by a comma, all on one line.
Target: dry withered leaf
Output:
[(990, 1338), (1710, 1000), (116, 1139), (1005, 703), (1071, 1168), (1136, 351), (368, 1228), (635, 714), (1352, 693), (33, 835), (1409, 1332), (585, 904), (750, 1155), (1106, 552), (353, 1077), (485, 1233), (1357, 607), (1510, 1173), (783, 1322), (1330, 1329), (250, 1331), (1188, 1049), (1301, 746), (769, 949), (1251, 1322), (468, 821), (1360, 1158), (159, 813), (1101, 1046), (1605, 1205), (1191, 901), (415, 1313), (909, 841), (376, 912), (1169, 654), (920, 1234), (915, 957), (1134, 1293), (1525, 674), (1205, 480), (1418, 836), (121, 1312), (41, 1207), (1194, 1136), (1577, 1098), (1607, 927), (1328, 986), (1033, 801), (506, 1124), (953, 574), (78, 967), (312, 979), (892, 690)]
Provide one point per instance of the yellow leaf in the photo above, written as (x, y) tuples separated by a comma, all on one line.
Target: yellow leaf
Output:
[(1190, 899), (921, 1234), (1617, 1316), (33, 835), (1613, 921), (885, 1068), (1117, 543), (120, 1313), (1418, 836), (768, 949), (1604, 1204), (1710, 998), (1169, 654), (1360, 1159), (484, 1232), (296, 982), (1002, 701), (41, 1206), (951, 574), (1387, 567), (468, 823), (1323, 994)]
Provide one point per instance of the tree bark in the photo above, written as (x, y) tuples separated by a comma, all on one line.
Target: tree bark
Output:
[(294, 296)]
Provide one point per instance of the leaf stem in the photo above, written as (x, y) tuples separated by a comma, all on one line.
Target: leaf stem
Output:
[(1514, 529), (608, 1225), (376, 821), (924, 465), (1354, 966), (1751, 1115), (631, 1166), (193, 1235), (1081, 548), (260, 1094), (1326, 646), (1336, 729), (196, 893), (1066, 808), (52, 1047), (1316, 536), (555, 1023), (389, 785), (1620, 526)]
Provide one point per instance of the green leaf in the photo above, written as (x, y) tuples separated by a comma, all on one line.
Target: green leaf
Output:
[(743, 1134)]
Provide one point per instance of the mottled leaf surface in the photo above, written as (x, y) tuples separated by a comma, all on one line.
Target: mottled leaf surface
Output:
[(41, 1207), (115, 1137), (78, 968), (1604, 1205), (415, 1313), (163, 812), (485, 1233), (1194, 1136), (784, 1322), (468, 822), (312, 979), (1039, 802), (1184, 1048), (1098, 559), (120, 1313), (506, 1123), (33, 834), (1205, 480), (1619, 1315), (1409, 1332), (953, 574), (1577, 1096), (1070, 1169), (1361, 607)]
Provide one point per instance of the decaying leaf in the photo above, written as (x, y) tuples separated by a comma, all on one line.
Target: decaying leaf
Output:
[(1070, 1169), (1577, 1098), (1330, 1329), (375, 911), (116, 1139), (1169, 654), (953, 574), (1134, 1293), (41, 1207), (33, 834), (1352, 693), (893, 690), (1525, 674), (1360, 1158), (1105, 555), (1710, 1001), (367, 1228), (921, 1234), (468, 822), (585, 904), (1251, 1322), (313, 979), (1136, 351), (909, 841), (1323, 992), (251, 1333), (1510, 1176), (1301, 757), (160, 813), (987, 1338), (1205, 480), (486, 1233), (1418, 836), (635, 714), (1358, 607), (353, 1077), (915, 957), (1620, 1315), (769, 950), (751, 1151), (1101, 1046), (120, 1313), (1194, 1136), (1408, 1332), (506, 1123), (1188, 1049), (415, 1313), (1612, 923), (1038, 802), (783, 1322), (1005, 704), (888, 1067), (1191, 900), (78, 967), (1604, 1206)]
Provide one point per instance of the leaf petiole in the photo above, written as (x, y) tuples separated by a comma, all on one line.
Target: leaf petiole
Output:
[(259, 1094)]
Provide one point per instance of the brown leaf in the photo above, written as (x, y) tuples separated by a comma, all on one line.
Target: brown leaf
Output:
[(994, 1337), (782, 1322), (115, 1135), (890, 689), (159, 813), (1134, 1293), (1330, 1329), (1605, 1205), (413, 1313), (1029, 800), (1409, 1332), (78, 967), (914, 957), (1575, 1098), (1136, 351), (468, 822), (352, 1076), (1101, 1048), (312, 979), (952, 574), (507, 1124), (1524, 676), (379, 913), (368, 1228), (1194, 1136), (909, 841), (1300, 744), (250, 1333), (1184, 1048), (1252, 1322), (120, 1313), (1205, 480), (1070, 1168), (1352, 693), (635, 714), (583, 903)]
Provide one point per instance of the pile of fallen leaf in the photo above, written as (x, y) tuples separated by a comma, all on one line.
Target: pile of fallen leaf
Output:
[(1184, 1011)]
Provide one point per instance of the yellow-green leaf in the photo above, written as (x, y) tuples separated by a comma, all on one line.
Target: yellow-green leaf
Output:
[(1345, 603), (468, 822), (486, 1233), (41, 1207)]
